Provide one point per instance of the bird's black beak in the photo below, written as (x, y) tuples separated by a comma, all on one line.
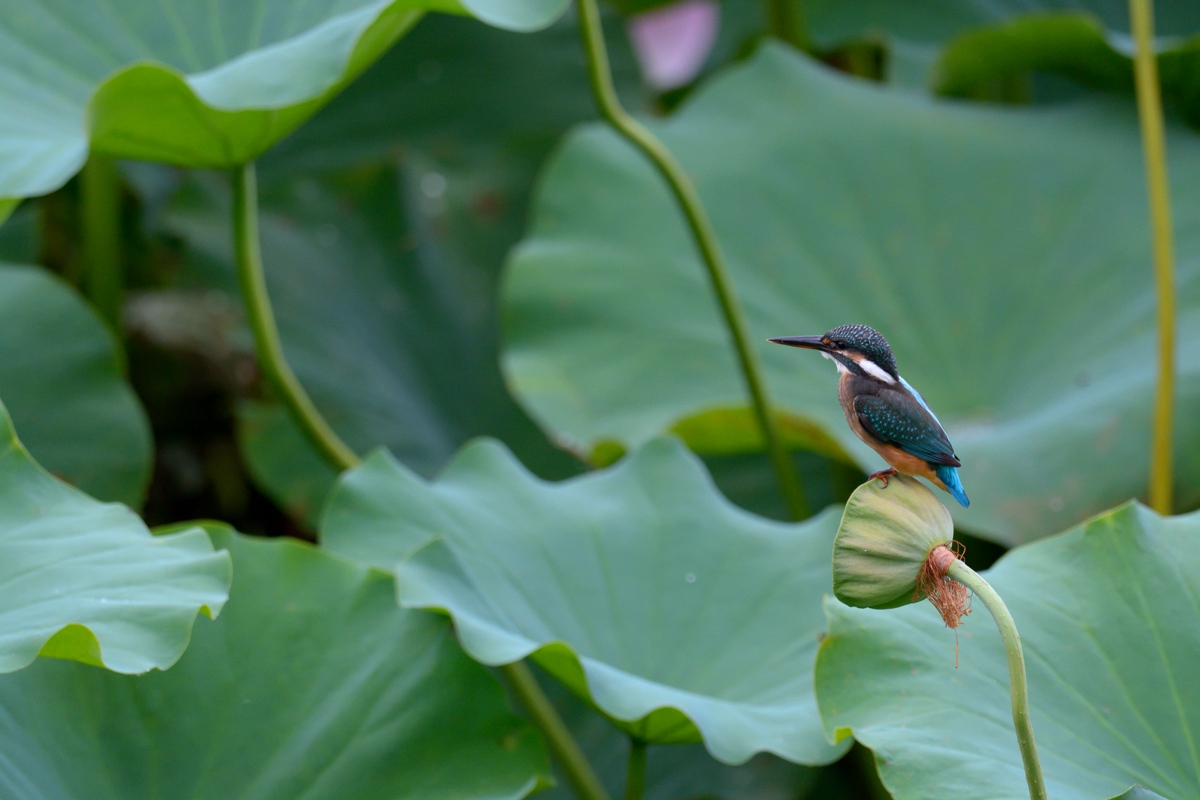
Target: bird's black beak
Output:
[(807, 342)]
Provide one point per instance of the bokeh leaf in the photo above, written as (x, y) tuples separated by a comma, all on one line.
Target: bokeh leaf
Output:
[(311, 684), (1005, 255), (916, 30), (61, 379), (1073, 45), (221, 82), (85, 580), (640, 588), (1110, 625)]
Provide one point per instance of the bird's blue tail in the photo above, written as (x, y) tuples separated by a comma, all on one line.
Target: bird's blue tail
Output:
[(949, 476)]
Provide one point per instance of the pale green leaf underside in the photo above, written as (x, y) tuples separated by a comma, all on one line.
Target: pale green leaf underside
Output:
[(196, 84), (1109, 617), (61, 379), (1004, 253), (311, 684), (86, 580), (639, 587)]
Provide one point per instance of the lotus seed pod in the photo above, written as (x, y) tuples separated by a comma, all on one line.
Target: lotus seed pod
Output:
[(887, 532)]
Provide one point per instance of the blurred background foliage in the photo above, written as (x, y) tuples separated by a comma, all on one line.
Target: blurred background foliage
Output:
[(389, 217)]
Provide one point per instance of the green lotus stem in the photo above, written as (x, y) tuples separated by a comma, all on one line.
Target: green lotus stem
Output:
[(100, 201), (1150, 113), (262, 322), (635, 774), (1018, 685), (270, 353), (685, 194), (566, 750)]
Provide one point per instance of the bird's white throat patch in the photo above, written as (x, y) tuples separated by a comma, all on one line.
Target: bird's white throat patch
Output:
[(871, 368), (841, 367)]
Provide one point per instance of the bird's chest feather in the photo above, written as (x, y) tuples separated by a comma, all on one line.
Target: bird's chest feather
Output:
[(851, 386)]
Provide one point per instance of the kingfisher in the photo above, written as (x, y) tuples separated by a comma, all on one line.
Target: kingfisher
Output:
[(884, 410)]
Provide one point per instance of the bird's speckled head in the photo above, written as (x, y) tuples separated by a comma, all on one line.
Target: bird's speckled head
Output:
[(864, 340), (856, 349)]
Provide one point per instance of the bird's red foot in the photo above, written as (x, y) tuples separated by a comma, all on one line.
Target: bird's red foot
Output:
[(883, 475)]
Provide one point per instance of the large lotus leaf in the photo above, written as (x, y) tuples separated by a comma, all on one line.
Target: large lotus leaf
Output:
[(1005, 255), (383, 277), (1110, 624), (915, 30), (311, 684), (677, 771), (203, 85), (463, 92), (85, 580), (934, 21), (639, 587), (1073, 45), (60, 377)]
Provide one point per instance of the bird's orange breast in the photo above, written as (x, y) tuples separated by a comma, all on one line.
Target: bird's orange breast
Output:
[(902, 461)]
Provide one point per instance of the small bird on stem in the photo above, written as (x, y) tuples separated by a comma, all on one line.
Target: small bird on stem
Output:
[(883, 409)]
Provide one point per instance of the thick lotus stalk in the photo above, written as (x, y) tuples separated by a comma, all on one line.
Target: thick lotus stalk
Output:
[(895, 546), (1150, 113)]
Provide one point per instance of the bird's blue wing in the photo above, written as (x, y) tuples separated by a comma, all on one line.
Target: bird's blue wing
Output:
[(896, 418)]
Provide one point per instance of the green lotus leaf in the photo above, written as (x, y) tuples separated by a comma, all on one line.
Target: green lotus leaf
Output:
[(199, 85), (678, 771), (311, 684), (61, 379), (1110, 627), (383, 266), (640, 588), (1138, 793), (85, 580), (916, 30), (1004, 253), (1074, 45)]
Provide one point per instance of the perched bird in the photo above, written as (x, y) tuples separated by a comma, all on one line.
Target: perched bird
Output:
[(883, 409)]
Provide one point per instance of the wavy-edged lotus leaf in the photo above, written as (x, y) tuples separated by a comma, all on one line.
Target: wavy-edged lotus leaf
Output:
[(675, 772), (1005, 255), (312, 683), (85, 580), (1138, 793), (1110, 627), (640, 587), (886, 533), (218, 82), (61, 379), (1073, 45)]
